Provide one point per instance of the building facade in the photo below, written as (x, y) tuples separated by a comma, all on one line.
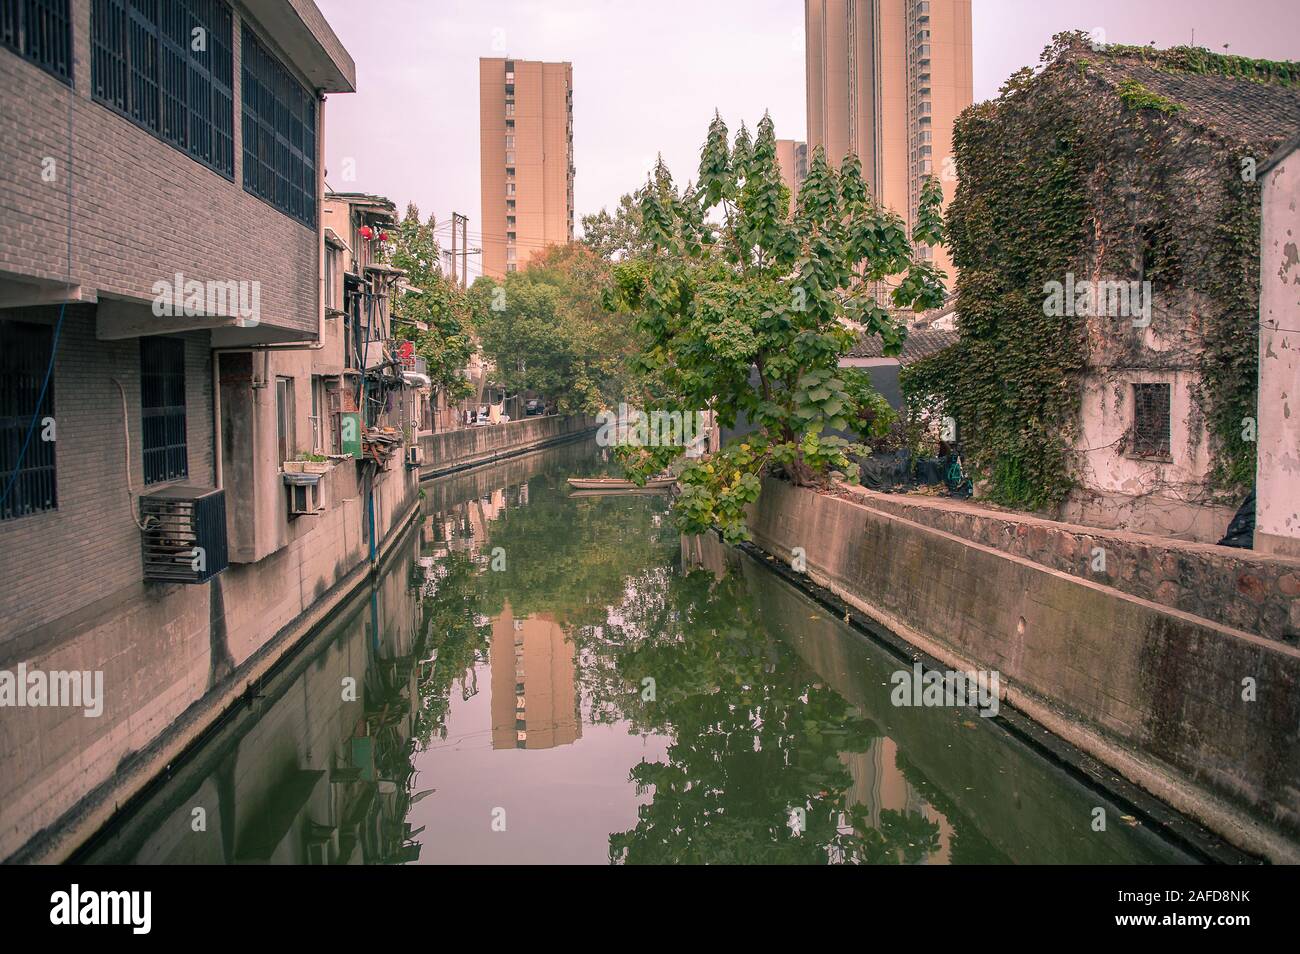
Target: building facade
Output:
[(526, 159), (1277, 485), (885, 81), (792, 160), (182, 481)]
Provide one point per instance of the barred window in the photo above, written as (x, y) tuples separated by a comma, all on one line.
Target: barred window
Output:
[(40, 31), (24, 359), (168, 66), (279, 124), (162, 409), (1151, 420)]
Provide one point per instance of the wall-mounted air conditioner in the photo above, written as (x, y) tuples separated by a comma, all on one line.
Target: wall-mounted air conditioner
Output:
[(305, 494), (184, 540)]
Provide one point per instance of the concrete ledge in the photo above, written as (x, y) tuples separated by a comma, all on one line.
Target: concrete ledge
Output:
[(1153, 692), (1243, 589)]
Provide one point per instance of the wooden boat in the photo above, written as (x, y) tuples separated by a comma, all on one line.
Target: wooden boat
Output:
[(618, 484)]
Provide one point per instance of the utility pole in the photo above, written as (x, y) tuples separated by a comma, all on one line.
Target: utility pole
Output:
[(463, 221), (454, 217)]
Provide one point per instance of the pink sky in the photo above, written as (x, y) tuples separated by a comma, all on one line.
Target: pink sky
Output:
[(647, 75)]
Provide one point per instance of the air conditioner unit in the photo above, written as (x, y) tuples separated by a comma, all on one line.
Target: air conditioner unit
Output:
[(305, 494), (415, 455), (184, 540)]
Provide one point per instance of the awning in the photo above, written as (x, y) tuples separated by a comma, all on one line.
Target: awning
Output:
[(416, 380)]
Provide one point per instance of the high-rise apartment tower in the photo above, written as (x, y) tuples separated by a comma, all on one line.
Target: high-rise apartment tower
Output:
[(886, 79), (526, 159)]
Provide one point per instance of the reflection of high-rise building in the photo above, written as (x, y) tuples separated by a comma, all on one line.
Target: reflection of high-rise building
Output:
[(886, 79), (534, 683), (880, 786), (526, 159)]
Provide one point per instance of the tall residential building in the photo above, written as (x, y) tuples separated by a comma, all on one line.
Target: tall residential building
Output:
[(792, 158), (526, 158), (886, 80)]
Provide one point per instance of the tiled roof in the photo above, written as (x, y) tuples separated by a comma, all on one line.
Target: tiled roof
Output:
[(1256, 111), (920, 343)]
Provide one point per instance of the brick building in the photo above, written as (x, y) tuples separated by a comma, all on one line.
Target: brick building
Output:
[(162, 255)]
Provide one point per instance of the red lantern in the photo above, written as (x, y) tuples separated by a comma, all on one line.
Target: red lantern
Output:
[(367, 232), (383, 236)]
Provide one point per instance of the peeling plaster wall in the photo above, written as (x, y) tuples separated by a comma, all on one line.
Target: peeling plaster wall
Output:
[(1121, 491), (1277, 507), (1154, 334)]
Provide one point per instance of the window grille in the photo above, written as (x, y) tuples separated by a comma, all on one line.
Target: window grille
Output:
[(39, 31), (162, 409), (24, 359), (1151, 420), (279, 125), (167, 65)]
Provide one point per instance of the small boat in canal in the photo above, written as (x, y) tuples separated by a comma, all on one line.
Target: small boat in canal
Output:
[(621, 485)]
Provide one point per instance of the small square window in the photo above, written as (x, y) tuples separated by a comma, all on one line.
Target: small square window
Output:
[(1150, 436)]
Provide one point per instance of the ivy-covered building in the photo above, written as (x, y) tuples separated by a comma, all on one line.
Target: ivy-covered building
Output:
[(1106, 232)]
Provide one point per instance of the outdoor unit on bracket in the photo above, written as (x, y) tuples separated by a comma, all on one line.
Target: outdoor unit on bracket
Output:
[(305, 494), (184, 540)]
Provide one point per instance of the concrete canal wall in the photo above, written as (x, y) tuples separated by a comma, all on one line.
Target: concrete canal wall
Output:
[(1154, 691), (173, 658), (450, 451)]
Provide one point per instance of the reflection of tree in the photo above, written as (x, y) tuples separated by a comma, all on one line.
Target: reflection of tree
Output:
[(572, 558), (450, 641), (757, 740)]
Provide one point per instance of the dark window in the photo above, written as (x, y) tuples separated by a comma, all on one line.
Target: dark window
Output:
[(279, 123), (285, 419), (24, 360), (168, 66), (40, 31), (1151, 420), (162, 409)]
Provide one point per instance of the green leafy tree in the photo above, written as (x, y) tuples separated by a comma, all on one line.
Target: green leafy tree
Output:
[(745, 311), (435, 302), (546, 330), (618, 236)]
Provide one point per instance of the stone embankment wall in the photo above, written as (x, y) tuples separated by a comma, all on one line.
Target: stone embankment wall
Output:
[(1202, 714), (449, 451)]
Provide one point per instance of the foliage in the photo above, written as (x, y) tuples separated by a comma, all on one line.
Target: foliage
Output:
[(446, 344), (746, 314), (1136, 96), (1046, 175), (617, 236), (545, 330), (449, 630)]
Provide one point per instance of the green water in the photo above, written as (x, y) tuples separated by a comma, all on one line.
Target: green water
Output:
[(543, 678)]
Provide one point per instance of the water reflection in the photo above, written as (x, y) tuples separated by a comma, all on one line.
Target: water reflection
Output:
[(543, 678)]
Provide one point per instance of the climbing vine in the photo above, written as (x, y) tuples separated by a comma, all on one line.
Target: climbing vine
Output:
[(1080, 169)]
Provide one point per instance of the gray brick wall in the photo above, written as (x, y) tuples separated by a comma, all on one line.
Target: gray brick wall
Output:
[(56, 562), (141, 209)]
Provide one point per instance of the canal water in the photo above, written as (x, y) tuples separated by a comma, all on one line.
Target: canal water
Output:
[(543, 677)]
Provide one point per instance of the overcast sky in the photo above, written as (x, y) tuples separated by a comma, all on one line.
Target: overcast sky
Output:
[(647, 75)]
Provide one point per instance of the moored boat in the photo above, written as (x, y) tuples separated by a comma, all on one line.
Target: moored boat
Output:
[(619, 483)]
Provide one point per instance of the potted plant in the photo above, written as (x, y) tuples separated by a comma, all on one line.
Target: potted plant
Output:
[(315, 463)]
